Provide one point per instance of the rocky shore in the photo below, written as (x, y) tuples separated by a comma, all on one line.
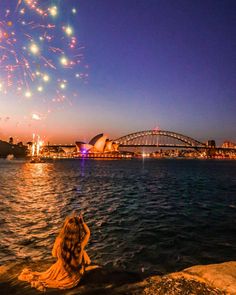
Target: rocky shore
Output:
[(210, 279), (213, 279)]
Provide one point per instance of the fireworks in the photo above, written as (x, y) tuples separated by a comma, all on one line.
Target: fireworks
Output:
[(53, 11), (68, 30), (34, 48), (37, 49), (64, 61), (40, 88), (36, 145), (28, 94)]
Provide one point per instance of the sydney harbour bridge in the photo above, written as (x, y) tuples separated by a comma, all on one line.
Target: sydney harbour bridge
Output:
[(158, 138)]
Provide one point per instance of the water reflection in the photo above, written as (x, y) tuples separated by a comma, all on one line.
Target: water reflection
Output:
[(33, 208)]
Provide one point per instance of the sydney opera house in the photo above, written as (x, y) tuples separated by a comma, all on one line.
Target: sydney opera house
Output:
[(97, 145)]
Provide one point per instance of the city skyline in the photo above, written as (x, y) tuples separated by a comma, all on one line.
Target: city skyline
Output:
[(143, 65)]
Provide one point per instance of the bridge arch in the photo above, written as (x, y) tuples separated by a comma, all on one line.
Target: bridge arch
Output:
[(132, 139)]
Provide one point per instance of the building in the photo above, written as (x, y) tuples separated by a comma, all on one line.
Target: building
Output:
[(228, 144), (98, 144)]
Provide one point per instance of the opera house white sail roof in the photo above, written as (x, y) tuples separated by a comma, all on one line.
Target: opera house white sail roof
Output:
[(98, 144)]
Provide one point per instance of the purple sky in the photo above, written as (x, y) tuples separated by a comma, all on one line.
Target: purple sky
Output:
[(150, 63)]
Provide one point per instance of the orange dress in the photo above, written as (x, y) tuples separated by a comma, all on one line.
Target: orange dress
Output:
[(56, 276)]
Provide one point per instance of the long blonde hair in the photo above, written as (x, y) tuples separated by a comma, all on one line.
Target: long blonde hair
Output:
[(71, 236)]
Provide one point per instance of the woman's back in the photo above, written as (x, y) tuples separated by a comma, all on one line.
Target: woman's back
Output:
[(71, 258)]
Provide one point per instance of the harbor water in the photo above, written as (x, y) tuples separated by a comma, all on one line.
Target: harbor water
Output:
[(146, 216)]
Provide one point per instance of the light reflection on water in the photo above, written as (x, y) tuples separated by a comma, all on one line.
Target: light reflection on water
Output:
[(154, 215), (31, 206)]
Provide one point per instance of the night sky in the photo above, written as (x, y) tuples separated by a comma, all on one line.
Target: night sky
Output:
[(133, 65)]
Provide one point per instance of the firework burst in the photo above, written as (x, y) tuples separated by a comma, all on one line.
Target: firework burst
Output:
[(38, 50)]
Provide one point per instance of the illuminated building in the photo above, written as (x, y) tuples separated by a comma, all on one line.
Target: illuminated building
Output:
[(98, 144), (228, 144)]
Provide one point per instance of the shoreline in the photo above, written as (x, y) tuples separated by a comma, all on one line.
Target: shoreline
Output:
[(199, 280)]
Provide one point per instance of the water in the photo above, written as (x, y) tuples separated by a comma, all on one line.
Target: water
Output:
[(148, 216)]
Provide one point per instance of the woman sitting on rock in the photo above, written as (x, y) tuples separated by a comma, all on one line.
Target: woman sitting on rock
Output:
[(71, 258)]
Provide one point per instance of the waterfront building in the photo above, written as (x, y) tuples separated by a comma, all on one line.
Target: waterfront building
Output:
[(98, 144), (228, 144)]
